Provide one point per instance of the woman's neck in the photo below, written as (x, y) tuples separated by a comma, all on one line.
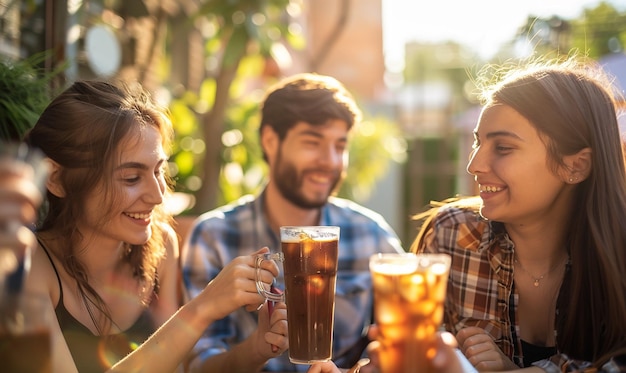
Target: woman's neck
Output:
[(538, 247), (102, 260), (100, 257)]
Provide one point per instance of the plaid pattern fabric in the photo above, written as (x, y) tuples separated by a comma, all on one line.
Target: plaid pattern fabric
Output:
[(240, 229), (481, 274), (481, 292), (562, 364)]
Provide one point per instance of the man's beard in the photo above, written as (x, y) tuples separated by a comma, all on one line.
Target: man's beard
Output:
[(289, 184)]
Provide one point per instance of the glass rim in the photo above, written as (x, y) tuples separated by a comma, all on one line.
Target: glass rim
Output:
[(420, 260), (309, 227), (315, 232)]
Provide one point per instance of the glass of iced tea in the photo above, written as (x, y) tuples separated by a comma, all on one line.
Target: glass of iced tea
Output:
[(309, 256), (25, 342), (409, 292)]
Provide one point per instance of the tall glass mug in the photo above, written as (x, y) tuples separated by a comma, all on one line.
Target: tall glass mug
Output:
[(409, 291), (309, 256)]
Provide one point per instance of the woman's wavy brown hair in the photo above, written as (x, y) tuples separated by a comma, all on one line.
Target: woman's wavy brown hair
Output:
[(82, 130)]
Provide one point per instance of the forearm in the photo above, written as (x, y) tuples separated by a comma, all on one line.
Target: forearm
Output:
[(169, 346), (242, 358)]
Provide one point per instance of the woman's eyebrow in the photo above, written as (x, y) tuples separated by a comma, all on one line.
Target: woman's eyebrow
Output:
[(501, 134), (138, 165)]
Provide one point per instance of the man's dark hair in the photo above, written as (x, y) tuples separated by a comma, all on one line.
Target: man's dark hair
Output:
[(311, 98)]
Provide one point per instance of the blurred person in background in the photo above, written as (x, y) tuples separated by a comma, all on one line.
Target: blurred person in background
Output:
[(306, 121)]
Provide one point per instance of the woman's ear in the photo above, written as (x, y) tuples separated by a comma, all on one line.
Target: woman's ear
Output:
[(579, 166), (53, 184)]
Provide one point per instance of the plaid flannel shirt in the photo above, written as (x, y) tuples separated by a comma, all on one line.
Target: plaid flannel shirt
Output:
[(240, 228), (480, 287)]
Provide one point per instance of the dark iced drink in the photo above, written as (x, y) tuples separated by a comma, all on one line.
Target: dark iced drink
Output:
[(25, 343), (310, 266), (26, 353)]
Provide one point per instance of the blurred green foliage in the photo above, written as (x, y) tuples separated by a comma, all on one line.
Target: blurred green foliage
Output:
[(241, 38), (599, 31), (24, 93)]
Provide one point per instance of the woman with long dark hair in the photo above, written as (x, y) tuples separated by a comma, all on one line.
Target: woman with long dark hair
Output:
[(538, 258)]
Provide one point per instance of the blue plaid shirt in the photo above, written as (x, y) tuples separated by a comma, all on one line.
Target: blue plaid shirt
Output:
[(240, 228)]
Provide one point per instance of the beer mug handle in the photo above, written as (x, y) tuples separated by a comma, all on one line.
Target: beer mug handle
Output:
[(259, 284)]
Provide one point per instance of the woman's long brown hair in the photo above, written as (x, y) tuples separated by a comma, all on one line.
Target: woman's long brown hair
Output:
[(573, 107), (82, 130)]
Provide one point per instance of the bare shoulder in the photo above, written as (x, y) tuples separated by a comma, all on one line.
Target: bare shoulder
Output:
[(42, 277), (170, 285), (170, 241)]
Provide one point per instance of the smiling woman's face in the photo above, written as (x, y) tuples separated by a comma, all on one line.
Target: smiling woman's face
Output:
[(138, 185), (510, 163)]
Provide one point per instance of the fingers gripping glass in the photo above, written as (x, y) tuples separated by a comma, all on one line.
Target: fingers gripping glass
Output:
[(260, 285)]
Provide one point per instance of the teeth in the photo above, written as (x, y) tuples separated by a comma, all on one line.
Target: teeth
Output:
[(489, 189), (137, 215), (319, 179)]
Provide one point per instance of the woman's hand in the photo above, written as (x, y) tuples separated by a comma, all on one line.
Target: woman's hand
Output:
[(235, 285), (481, 350)]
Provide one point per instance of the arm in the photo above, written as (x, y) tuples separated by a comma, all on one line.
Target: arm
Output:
[(233, 288), (203, 256), (214, 240), (42, 281), (167, 302), (216, 350)]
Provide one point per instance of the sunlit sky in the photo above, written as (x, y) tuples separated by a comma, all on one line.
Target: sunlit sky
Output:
[(481, 24)]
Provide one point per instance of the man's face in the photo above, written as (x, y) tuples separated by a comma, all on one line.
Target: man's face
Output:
[(307, 166)]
